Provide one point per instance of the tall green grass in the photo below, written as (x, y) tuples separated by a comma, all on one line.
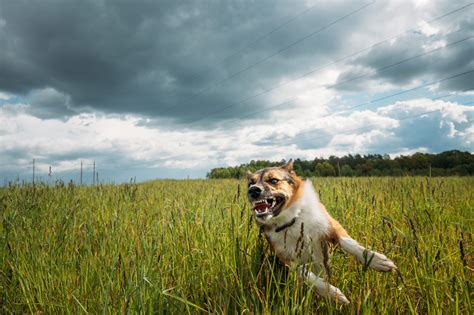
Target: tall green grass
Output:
[(192, 247)]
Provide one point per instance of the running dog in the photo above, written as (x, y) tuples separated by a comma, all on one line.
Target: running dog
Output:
[(299, 228)]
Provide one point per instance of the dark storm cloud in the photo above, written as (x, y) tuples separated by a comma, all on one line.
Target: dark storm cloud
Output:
[(158, 58), (49, 103), (421, 59)]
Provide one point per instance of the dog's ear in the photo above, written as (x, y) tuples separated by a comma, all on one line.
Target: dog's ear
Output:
[(288, 166), (249, 174)]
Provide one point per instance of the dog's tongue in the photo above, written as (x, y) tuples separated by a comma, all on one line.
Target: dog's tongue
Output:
[(260, 207)]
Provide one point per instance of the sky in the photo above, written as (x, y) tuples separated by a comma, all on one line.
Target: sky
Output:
[(171, 89)]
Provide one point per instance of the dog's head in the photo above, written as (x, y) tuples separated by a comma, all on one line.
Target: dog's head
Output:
[(272, 190)]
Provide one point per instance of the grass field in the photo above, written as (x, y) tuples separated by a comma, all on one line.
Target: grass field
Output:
[(192, 247)]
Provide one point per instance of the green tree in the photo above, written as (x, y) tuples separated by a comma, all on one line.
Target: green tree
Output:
[(325, 169), (446, 163), (346, 170)]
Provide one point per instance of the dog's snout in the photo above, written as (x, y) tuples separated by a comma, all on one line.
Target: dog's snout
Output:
[(254, 191)]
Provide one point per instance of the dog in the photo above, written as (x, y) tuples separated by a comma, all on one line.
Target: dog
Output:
[(299, 228)]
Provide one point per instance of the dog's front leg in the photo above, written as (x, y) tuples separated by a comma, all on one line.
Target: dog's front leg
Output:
[(369, 258), (321, 286)]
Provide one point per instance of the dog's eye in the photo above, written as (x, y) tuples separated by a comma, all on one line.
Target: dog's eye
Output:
[(251, 183), (274, 181)]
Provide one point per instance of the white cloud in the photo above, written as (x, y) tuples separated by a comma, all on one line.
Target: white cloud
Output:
[(420, 3), (121, 142), (449, 111), (468, 135), (428, 29), (409, 151), (4, 96)]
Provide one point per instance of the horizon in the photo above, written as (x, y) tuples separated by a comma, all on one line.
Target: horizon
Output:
[(86, 178), (172, 90)]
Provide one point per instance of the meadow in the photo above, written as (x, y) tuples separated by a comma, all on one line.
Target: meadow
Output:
[(191, 246)]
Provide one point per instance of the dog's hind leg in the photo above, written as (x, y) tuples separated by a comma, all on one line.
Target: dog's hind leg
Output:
[(321, 286)]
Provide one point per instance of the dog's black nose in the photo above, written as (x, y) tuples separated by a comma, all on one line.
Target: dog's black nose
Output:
[(254, 192)]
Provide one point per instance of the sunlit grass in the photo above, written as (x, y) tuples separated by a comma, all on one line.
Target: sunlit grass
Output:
[(192, 246)]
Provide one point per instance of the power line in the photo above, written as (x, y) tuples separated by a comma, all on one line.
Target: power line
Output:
[(340, 132), (329, 115), (242, 50), (318, 69), (384, 68), (378, 70), (235, 74), (34, 172), (402, 61), (287, 22), (332, 114), (392, 95), (297, 42), (404, 92), (369, 127), (373, 101)]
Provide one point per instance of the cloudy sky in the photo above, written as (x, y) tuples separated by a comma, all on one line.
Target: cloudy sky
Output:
[(154, 89)]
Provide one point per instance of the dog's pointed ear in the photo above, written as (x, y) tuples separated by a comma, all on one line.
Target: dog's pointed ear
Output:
[(288, 166), (249, 174)]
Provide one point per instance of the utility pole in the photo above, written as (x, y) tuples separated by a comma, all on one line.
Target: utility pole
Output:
[(81, 173), (93, 175), (33, 172)]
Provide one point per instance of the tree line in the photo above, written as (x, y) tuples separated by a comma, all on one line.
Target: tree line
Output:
[(448, 163)]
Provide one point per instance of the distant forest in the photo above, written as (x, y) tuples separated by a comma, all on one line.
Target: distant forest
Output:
[(447, 163)]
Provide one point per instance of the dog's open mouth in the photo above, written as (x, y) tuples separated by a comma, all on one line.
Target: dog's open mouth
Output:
[(267, 206)]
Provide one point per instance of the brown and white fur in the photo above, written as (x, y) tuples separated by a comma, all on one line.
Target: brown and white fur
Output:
[(299, 228)]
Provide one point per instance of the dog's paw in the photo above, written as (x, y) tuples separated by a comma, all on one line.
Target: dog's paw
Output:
[(338, 296), (328, 291), (378, 261)]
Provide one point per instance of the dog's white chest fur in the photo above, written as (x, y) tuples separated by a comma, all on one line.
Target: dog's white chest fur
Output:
[(301, 241)]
